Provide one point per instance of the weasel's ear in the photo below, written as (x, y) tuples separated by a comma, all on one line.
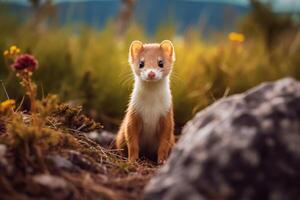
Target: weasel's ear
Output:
[(168, 48), (135, 48)]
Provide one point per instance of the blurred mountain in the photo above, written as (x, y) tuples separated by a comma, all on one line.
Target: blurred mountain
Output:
[(206, 15), (203, 15)]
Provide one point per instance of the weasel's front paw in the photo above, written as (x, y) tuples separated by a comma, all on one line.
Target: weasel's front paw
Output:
[(161, 159), (161, 162), (133, 154), (133, 158), (162, 155)]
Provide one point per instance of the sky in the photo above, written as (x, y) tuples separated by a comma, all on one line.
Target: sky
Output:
[(278, 5)]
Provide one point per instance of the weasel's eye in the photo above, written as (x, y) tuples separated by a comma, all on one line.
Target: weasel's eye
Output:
[(160, 63), (142, 64)]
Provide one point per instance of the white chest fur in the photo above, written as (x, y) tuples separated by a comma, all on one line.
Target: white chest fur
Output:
[(151, 101)]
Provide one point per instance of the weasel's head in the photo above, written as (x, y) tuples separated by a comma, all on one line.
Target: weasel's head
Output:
[(151, 62)]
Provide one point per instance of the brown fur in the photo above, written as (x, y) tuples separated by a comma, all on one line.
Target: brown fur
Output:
[(131, 129), (129, 135)]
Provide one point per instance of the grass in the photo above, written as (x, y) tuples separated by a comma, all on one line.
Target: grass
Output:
[(46, 152), (90, 67)]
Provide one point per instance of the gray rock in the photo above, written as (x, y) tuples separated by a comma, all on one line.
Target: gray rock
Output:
[(104, 138), (61, 162), (50, 181), (2, 154), (2, 150), (246, 146)]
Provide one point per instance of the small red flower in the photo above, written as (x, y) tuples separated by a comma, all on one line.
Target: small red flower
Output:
[(25, 62)]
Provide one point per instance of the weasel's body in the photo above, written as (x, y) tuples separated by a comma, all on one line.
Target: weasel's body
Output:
[(148, 126)]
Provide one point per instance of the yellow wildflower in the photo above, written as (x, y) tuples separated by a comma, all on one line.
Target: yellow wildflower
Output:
[(236, 37), (13, 50), (6, 54), (5, 105)]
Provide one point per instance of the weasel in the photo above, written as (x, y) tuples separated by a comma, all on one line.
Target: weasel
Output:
[(148, 126)]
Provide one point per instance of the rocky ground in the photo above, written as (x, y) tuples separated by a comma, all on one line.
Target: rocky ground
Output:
[(246, 146), (62, 159)]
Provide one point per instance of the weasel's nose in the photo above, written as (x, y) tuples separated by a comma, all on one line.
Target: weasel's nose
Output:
[(151, 75)]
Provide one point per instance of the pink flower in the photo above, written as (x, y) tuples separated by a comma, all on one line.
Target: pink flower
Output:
[(25, 62)]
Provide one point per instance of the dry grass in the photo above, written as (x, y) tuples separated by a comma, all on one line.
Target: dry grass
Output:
[(44, 155)]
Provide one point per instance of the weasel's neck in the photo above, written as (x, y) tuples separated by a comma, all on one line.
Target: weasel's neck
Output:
[(149, 93)]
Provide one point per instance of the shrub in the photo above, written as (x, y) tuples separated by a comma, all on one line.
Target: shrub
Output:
[(90, 66)]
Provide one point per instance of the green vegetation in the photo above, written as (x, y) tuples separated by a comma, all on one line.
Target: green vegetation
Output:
[(90, 66), (47, 150)]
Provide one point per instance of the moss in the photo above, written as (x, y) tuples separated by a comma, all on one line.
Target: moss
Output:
[(73, 118)]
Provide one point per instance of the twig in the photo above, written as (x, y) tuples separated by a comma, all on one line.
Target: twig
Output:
[(21, 103), (81, 127), (54, 126), (226, 92), (5, 91), (212, 96)]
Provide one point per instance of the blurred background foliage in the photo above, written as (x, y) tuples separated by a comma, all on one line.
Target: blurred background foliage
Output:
[(88, 65)]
